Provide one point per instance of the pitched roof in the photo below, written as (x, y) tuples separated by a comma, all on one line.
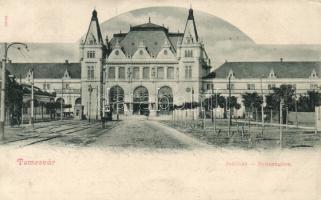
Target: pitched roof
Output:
[(46, 70), (94, 28), (147, 27), (262, 69), (191, 17), (153, 37)]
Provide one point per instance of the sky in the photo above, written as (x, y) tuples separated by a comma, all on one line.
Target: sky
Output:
[(232, 30), (265, 21)]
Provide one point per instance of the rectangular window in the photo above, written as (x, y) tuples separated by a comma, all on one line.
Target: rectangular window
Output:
[(271, 86), (136, 72), (313, 86), (208, 86), (231, 85), (146, 73), (111, 72), (188, 72), (170, 72), (251, 86), (91, 54), (121, 72), (90, 72), (160, 72)]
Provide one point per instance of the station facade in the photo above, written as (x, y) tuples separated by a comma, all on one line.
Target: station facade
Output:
[(147, 69)]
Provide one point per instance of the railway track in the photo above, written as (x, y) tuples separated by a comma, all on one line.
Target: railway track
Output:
[(51, 131)]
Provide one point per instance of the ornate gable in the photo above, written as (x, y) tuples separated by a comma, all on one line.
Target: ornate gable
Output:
[(117, 52), (231, 74), (166, 52), (272, 74), (66, 75), (313, 74), (141, 52)]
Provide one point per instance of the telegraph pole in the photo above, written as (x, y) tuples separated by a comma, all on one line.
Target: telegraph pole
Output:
[(3, 96), (281, 120), (262, 109)]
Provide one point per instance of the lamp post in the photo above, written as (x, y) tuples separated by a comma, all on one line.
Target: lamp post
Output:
[(90, 90), (192, 104), (3, 85)]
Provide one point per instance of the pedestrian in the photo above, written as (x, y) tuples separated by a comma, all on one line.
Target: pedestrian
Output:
[(147, 114)]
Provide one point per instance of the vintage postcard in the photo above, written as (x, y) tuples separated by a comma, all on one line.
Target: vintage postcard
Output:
[(135, 100)]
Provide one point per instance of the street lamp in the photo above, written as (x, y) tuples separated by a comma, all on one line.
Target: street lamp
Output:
[(130, 80), (3, 85), (90, 90)]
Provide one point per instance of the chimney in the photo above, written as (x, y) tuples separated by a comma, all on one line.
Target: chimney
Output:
[(66, 61), (9, 61), (281, 59)]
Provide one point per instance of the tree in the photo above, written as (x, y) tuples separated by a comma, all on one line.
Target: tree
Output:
[(210, 103), (285, 94), (252, 101), (14, 98), (314, 99)]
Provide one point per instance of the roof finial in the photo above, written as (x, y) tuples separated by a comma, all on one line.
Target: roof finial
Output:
[(94, 13), (190, 4), (149, 19)]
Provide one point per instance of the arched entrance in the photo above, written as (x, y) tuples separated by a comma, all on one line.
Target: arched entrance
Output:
[(60, 103), (116, 99), (79, 109), (165, 100), (60, 100), (78, 101), (140, 100)]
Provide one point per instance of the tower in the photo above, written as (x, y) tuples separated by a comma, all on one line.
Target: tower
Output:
[(92, 54), (190, 53)]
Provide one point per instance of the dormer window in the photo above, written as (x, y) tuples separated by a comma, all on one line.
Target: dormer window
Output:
[(230, 74), (313, 74), (272, 74)]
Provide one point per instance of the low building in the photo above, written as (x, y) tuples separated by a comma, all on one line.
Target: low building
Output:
[(63, 79), (261, 77)]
